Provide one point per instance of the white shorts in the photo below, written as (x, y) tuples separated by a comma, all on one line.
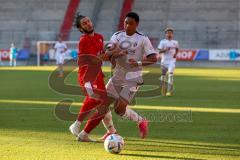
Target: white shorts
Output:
[(60, 59), (127, 91), (169, 66)]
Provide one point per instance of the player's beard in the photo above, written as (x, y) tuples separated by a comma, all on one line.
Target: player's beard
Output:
[(88, 31)]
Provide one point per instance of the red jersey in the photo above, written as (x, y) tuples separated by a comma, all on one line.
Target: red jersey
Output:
[(89, 48)]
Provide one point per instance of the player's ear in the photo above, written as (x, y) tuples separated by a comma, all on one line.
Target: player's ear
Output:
[(137, 23)]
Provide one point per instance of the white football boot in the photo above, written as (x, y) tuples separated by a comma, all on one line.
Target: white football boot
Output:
[(75, 128), (83, 137)]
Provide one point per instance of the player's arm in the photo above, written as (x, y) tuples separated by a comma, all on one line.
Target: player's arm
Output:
[(150, 59), (163, 50), (104, 56), (65, 48), (149, 52), (55, 49), (177, 50)]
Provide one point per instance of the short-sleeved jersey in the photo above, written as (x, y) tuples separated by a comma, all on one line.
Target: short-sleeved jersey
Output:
[(138, 47), (92, 46), (167, 57), (60, 47)]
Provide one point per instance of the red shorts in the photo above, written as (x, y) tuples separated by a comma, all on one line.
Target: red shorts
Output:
[(98, 84)]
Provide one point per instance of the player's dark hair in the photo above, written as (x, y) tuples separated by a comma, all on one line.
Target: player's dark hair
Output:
[(169, 29), (77, 20), (133, 15)]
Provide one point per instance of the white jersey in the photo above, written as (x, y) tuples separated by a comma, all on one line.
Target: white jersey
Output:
[(138, 46), (60, 47), (60, 54), (167, 57)]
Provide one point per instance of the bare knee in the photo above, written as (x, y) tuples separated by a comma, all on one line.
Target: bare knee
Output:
[(120, 107), (102, 110)]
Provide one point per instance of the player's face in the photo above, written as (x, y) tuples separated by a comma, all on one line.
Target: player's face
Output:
[(86, 25), (130, 25), (169, 35), (59, 39)]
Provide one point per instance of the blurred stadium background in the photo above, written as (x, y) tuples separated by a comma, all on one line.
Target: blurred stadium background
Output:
[(208, 30)]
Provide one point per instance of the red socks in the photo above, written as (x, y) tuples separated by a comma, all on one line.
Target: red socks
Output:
[(93, 121)]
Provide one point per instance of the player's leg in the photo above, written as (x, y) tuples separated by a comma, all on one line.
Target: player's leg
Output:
[(60, 61), (88, 105), (126, 95), (128, 113), (109, 126), (15, 62), (92, 122), (60, 69), (10, 60), (107, 120), (163, 80), (101, 109), (170, 79)]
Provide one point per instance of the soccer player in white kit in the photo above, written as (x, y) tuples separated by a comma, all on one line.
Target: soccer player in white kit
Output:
[(168, 48), (60, 50), (127, 76)]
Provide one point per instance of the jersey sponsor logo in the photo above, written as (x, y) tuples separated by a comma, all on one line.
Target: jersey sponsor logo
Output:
[(135, 44)]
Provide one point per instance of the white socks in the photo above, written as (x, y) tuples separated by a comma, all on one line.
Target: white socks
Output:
[(78, 123), (129, 114), (170, 82), (83, 133), (108, 123), (132, 115)]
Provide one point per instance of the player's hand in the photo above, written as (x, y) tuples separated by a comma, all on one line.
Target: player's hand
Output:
[(89, 90), (120, 53), (175, 56), (167, 49), (113, 49)]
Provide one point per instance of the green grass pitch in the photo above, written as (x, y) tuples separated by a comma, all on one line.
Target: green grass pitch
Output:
[(201, 121)]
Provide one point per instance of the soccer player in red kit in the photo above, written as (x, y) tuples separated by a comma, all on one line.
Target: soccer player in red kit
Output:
[(91, 79)]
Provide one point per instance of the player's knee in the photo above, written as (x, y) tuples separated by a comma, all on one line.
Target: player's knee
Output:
[(120, 108), (102, 109), (164, 71), (120, 111)]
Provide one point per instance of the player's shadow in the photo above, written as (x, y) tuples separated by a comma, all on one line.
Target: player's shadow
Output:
[(159, 157), (195, 146), (184, 147)]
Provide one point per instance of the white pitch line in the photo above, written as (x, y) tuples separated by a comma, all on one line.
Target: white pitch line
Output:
[(172, 108)]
